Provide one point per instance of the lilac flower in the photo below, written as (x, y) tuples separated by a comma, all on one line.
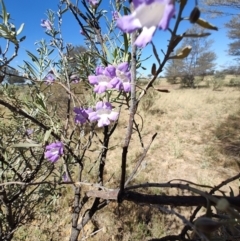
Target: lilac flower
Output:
[(29, 132), (46, 24), (93, 2), (148, 15), (123, 78), (82, 32), (115, 15), (74, 78), (49, 78), (102, 79), (81, 115), (103, 114), (54, 151)]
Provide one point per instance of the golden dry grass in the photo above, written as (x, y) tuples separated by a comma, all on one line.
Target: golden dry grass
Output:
[(194, 127)]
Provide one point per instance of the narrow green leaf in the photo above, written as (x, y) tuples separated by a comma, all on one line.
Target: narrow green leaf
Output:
[(27, 145), (50, 52), (3, 28), (47, 134), (115, 53), (22, 38), (4, 13), (40, 102), (20, 29), (31, 69), (125, 43), (231, 192), (126, 10), (64, 10), (34, 58)]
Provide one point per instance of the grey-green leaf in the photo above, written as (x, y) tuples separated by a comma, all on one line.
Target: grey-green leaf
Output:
[(20, 29), (26, 145), (47, 134)]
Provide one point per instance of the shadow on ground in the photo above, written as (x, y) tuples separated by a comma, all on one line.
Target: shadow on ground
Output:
[(228, 133)]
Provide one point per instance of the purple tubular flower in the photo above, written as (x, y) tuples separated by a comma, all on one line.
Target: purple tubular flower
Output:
[(123, 78), (46, 24), (81, 115), (115, 15), (54, 151), (82, 32), (49, 78), (93, 2), (149, 15), (29, 132), (102, 79), (103, 114), (74, 78)]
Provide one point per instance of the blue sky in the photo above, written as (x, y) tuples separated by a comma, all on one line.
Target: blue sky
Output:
[(30, 12)]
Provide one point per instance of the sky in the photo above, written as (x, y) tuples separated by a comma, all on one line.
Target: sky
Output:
[(30, 12)]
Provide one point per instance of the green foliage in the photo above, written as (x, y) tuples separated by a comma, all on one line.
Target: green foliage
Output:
[(8, 30), (39, 65)]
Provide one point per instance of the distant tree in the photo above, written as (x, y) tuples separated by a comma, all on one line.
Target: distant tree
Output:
[(205, 62), (232, 69), (234, 34), (174, 69), (219, 7), (199, 62), (222, 7)]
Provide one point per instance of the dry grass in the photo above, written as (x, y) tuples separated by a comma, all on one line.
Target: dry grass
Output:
[(198, 140)]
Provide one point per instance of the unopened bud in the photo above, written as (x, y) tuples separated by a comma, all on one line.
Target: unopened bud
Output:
[(154, 71), (195, 14), (206, 225), (222, 205)]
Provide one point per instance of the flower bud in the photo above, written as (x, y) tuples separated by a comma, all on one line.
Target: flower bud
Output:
[(195, 14), (223, 205), (206, 225), (154, 71)]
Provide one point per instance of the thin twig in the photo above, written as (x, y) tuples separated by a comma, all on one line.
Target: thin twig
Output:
[(132, 109), (140, 161)]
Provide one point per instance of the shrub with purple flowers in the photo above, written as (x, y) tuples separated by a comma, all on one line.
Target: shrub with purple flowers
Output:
[(87, 145)]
